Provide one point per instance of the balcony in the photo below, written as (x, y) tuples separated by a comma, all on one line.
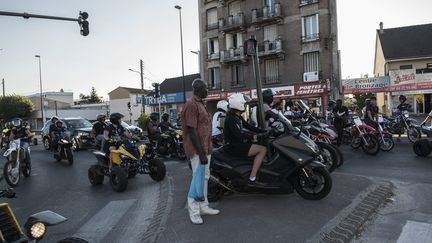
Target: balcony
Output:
[(214, 85), (307, 2), (212, 26), (310, 38), (238, 84), (271, 48), (213, 56), (232, 55), (267, 15), (232, 23)]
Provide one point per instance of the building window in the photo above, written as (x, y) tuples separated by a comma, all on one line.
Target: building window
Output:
[(271, 71), (270, 5), (405, 67), (234, 40), (310, 28), (212, 20), (311, 62), (234, 8), (237, 75), (214, 78), (429, 66), (213, 46), (270, 32)]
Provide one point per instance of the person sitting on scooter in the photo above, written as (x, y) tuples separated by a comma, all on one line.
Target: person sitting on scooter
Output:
[(22, 133), (165, 125), (98, 129), (152, 127), (115, 129), (53, 131), (235, 136)]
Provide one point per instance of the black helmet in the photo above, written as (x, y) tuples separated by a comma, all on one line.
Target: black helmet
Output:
[(115, 118), (16, 122), (101, 116), (165, 116), (268, 96), (402, 98), (154, 116), (59, 122), (54, 118)]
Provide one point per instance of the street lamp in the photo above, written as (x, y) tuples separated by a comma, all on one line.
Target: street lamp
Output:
[(181, 43), (40, 84)]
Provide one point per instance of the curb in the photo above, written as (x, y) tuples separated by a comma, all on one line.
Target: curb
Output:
[(350, 222)]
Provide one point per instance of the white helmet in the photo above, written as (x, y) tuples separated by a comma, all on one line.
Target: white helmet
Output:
[(223, 105), (237, 101)]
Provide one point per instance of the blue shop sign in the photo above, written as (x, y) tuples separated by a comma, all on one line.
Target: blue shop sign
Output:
[(164, 99)]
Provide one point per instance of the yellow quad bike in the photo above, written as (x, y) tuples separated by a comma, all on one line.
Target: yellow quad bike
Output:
[(124, 163)]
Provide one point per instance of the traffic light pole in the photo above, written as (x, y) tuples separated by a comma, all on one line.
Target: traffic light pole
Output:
[(81, 19)]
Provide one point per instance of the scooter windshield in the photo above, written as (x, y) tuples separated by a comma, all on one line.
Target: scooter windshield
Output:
[(287, 123), (303, 105)]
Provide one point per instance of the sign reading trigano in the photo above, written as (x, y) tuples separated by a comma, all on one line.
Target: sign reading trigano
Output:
[(365, 85), (164, 99)]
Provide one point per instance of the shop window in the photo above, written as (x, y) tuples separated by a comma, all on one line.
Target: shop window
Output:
[(212, 20), (214, 78), (311, 62), (405, 67), (310, 28), (271, 71)]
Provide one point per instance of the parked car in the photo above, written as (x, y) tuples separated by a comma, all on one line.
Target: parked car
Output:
[(79, 128)]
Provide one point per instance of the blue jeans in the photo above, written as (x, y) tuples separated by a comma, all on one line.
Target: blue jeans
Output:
[(100, 138)]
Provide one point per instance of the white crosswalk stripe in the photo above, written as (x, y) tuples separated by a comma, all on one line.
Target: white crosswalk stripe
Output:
[(416, 232)]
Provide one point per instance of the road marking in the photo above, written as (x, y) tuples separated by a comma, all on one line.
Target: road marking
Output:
[(416, 232), (104, 221)]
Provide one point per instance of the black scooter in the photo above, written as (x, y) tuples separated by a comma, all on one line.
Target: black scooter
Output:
[(293, 164)]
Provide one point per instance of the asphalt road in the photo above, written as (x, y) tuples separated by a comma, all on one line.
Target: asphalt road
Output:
[(150, 211)]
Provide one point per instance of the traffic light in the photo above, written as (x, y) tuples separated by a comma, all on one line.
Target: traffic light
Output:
[(156, 90), (84, 24), (129, 106)]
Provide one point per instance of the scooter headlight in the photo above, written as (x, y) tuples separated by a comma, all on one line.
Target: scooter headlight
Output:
[(37, 230)]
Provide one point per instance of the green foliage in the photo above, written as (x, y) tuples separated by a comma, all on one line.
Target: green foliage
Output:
[(349, 102), (93, 98), (15, 106), (143, 119), (361, 99)]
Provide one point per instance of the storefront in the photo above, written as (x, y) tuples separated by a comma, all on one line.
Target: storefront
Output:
[(169, 103)]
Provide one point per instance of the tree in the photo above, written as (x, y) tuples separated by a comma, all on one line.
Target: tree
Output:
[(90, 99), (15, 106), (143, 120), (361, 100)]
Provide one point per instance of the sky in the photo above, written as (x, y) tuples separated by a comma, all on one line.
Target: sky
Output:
[(123, 32)]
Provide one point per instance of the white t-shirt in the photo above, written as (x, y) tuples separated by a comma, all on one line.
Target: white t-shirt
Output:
[(254, 116), (215, 123)]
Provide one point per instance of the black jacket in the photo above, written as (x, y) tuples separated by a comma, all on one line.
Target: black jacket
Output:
[(233, 129)]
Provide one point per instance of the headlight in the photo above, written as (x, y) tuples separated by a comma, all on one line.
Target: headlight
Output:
[(406, 115), (177, 136), (80, 134), (37, 230)]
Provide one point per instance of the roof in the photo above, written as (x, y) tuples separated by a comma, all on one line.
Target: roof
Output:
[(131, 90), (175, 85), (407, 42)]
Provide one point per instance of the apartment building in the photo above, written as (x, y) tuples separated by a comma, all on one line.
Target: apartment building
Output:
[(297, 45)]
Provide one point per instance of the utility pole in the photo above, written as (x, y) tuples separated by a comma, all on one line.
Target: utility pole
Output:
[(3, 87), (142, 86)]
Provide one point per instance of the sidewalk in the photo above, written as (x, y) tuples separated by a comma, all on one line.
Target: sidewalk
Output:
[(264, 218)]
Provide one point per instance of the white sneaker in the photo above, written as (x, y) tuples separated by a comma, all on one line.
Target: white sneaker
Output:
[(196, 219), (206, 210)]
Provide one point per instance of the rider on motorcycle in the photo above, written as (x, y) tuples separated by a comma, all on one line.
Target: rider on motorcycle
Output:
[(113, 130), (53, 131), (57, 131), (98, 129), (165, 125), (403, 106), (235, 136), (152, 127), (219, 118), (22, 133), (269, 115)]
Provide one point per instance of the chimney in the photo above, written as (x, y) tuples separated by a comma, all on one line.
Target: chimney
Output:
[(381, 28)]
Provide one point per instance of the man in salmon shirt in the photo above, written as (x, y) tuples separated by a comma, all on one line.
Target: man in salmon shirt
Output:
[(197, 143)]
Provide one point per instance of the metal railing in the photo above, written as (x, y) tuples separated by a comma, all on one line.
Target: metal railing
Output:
[(232, 22), (266, 13), (311, 37), (307, 2), (233, 54)]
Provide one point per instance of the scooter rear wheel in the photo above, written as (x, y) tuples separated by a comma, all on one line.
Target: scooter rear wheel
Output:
[(314, 187), (214, 191)]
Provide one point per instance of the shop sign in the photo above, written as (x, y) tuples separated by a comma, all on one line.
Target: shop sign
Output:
[(402, 79), (365, 85), (424, 81), (214, 96), (284, 91), (164, 99), (245, 92), (310, 89)]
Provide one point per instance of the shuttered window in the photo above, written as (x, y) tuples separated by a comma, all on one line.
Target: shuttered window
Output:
[(234, 8), (270, 32), (237, 75), (311, 62), (271, 71), (214, 78), (213, 46), (310, 27), (212, 20)]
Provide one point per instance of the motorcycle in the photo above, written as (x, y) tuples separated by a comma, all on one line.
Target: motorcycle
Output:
[(17, 163), (64, 148), (35, 227), (384, 136), (404, 123), (123, 164), (292, 164), (363, 136), (171, 144)]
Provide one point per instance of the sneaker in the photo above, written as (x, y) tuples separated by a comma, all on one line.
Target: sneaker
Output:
[(255, 183), (206, 210), (196, 219)]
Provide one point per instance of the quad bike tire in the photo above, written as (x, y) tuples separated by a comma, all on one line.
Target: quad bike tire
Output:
[(46, 144), (73, 240), (69, 156), (422, 147), (118, 179), (94, 176), (157, 169)]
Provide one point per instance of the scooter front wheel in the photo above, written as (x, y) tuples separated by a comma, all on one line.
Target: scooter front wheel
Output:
[(314, 185)]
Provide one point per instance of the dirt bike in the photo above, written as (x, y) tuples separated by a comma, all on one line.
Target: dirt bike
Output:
[(64, 148), (124, 163), (363, 136), (16, 164)]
